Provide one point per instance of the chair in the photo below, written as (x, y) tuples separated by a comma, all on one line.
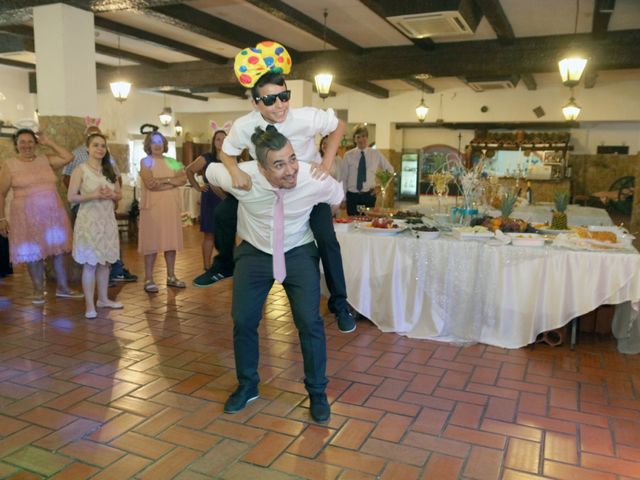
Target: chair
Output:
[(618, 198)]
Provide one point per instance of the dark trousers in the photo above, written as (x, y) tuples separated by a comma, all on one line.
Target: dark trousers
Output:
[(368, 199), (321, 222), (226, 221), (252, 280)]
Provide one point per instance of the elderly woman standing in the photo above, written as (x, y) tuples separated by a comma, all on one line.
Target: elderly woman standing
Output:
[(38, 225), (160, 210)]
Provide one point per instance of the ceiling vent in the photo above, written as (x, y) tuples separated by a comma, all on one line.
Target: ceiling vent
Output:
[(435, 24), (489, 85)]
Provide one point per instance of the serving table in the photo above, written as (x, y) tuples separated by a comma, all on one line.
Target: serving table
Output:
[(539, 212), (473, 291)]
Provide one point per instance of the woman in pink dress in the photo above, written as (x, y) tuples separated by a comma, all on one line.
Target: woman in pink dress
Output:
[(160, 227), (38, 225)]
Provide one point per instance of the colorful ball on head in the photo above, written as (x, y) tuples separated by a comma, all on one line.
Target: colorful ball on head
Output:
[(253, 62)]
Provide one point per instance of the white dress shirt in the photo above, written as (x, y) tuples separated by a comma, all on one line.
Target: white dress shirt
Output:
[(349, 171), (300, 127), (255, 206)]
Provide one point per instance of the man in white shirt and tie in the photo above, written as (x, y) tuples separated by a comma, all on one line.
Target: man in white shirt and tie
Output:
[(277, 243), (358, 171)]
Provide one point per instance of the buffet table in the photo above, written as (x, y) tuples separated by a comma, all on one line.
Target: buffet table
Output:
[(539, 212), (472, 291)]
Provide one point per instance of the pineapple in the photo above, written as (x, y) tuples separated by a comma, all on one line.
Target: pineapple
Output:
[(559, 216), (507, 205)]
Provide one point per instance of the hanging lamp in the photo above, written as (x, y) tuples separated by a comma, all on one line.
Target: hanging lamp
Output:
[(573, 65), (120, 88), (323, 79), (422, 110)]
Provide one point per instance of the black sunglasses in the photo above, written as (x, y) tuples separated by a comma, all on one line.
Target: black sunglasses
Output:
[(269, 100)]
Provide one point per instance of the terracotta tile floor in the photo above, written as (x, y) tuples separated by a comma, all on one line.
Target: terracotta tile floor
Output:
[(138, 393)]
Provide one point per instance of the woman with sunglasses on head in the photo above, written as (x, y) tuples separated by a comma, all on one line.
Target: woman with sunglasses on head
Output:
[(94, 187), (262, 70), (38, 226), (210, 198), (160, 229)]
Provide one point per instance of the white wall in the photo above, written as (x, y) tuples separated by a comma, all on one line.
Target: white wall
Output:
[(19, 103)]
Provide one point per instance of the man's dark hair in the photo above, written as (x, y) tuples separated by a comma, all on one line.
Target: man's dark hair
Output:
[(266, 141), (360, 130), (269, 78)]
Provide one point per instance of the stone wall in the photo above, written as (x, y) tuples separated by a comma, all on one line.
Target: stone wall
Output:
[(596, 173)]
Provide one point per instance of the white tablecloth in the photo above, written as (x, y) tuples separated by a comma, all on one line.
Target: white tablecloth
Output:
[(467, 291), (190, 202)]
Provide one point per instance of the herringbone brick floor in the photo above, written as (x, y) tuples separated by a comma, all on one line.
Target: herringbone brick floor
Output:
[(138, 393)]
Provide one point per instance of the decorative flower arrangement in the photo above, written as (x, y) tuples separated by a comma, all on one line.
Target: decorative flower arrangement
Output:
[(384, 178)]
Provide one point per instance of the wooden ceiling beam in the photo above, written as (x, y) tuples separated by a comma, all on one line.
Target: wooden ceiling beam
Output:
[(199, 22), (602, 10), (137, 34), (365, 87), (487, 58), (17, 63), (529, 81), (282, 11), (27, 35), (493, 11), (419, 84), (183, 94)]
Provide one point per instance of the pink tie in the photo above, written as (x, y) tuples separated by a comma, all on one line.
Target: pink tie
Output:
[(279, 267)]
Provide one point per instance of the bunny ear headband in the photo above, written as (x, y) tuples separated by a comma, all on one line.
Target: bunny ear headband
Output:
[(225, 128), (92, 122), (253, 62)]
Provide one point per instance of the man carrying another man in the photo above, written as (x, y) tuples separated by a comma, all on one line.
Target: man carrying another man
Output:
[(277, 243), (262, 69)]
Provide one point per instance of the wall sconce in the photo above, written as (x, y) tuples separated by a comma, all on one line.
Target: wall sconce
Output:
[(323, 79), (178, 128), (120, 88)]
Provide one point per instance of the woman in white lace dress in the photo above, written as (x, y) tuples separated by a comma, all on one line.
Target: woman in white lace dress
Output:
[(95, 235)]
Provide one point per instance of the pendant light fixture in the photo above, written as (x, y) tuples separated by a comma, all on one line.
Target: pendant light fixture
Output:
[(571, 110), (422, 110), (178, 128), (166, 115), (324, 78), (120, 88), (573, 65)]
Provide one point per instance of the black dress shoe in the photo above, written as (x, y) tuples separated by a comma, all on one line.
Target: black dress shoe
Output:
[(239, 399), (320, 409)]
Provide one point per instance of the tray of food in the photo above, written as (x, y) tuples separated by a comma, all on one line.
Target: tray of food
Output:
[(383, 226), (425, 232), (343, 224), (472, 233), (526, 239)]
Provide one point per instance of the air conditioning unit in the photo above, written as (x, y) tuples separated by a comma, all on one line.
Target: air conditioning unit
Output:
[(435, 24), (483, 86)]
